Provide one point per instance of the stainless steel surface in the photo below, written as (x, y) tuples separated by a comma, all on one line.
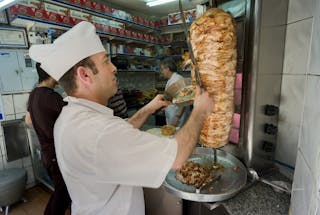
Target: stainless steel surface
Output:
[(16, 141), (255, 176), (262, 81), (233, 178), (210, 184), (194, 62), (160, 202), (40, 173)]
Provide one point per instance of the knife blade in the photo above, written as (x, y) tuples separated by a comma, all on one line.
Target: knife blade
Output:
[(193, 60)]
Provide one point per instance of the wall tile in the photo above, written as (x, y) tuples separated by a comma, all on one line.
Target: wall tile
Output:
[(310, 138), (314, 203), (292, 97), (7, 102), (314, 67), (20, 115), (2, 146), (317, 177), (1, 162), (287, 143), (272, 44), (279, 13), (297, 47), (10, 117), (30, 173), (299, 10), (302, 187), (13, 164), (20, 102), (26, 161)]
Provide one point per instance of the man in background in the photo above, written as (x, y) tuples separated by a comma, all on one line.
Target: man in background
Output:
[(175, 115)]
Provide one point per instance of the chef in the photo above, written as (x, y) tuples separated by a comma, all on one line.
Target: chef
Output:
[(105, 160)]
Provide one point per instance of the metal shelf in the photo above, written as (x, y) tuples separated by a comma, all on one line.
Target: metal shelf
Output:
[(104, 15), (135, 56), (136, 70), (19, 19)]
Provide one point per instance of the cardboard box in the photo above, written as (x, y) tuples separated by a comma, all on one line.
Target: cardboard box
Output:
[(56, 9), (51, 16), (87, 4), (22, 10), (75, 2), (80, 15), (64, 19), (97, 6), (31, 3), (127, 33), (176, 18), (40, 14), (135, 19)]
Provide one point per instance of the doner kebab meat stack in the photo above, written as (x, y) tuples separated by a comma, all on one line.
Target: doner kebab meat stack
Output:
[(213, 40)]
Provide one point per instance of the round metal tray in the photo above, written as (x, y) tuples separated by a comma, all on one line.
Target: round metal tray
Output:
[(233, 178)]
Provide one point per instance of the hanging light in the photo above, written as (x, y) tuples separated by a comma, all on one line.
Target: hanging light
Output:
[(6, 3), (158, 2)]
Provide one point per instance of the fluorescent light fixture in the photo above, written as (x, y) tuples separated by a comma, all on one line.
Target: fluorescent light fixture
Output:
[(158, 2), (6, 3)]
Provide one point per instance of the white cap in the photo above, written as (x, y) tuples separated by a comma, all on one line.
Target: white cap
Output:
[(76, 44)]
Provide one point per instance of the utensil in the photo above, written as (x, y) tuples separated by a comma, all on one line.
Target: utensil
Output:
[(256, 177), (209, 184), (174, 89), (194, 62)]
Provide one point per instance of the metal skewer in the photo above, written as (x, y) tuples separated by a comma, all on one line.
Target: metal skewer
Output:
[(194, 62), (216, 165)]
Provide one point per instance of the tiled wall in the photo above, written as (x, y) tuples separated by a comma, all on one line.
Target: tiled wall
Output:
[(299, 125), (14, 107)]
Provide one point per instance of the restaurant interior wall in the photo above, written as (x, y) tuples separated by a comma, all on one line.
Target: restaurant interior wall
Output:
[(298, 143)]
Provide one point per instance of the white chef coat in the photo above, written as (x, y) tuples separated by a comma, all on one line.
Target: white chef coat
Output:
[(105, 161), (172, 110)]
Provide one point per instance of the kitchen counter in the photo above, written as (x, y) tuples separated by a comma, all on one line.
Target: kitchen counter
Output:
[(260, 198), (257, 198)]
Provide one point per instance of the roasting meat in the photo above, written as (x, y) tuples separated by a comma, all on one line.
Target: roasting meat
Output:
[(213, 40), (193, 174), (185, 94)]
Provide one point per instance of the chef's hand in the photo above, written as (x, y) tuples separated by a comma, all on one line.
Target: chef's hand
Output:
[(203, 103), (156, 103)]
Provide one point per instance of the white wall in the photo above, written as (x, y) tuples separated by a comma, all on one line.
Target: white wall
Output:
[(299, 124)]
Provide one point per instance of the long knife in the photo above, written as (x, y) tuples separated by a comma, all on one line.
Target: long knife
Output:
[(193, 60)]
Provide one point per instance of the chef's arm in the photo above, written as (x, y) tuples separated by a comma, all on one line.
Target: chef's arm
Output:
[(188, 135), (138, 119), (27, 119)]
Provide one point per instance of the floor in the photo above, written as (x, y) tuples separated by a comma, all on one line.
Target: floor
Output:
[(35, 202)]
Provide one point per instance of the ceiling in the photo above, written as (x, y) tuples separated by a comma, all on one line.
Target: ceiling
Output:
[(139, 7)]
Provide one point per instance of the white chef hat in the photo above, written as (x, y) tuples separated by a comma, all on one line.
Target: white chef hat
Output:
[(57, 58)]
